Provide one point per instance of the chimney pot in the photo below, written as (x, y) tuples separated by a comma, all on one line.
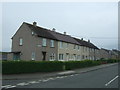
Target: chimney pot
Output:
[(64, 33), (35, 24), (53, 29), (89, 41)]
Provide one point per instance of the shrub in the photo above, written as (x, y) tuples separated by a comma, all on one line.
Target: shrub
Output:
[(17, 67), (80, 64), (10, 67)]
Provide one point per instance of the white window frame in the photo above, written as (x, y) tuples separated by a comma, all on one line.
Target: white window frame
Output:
[(61, 44), (52, 56), (20, 41), (44, 42), (52, 43), (33, 56), (61, 57), (78, 57)]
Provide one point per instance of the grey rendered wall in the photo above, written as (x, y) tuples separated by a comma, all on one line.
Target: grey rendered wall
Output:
[(31, 43)]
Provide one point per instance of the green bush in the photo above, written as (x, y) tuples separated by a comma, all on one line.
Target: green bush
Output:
[(80, 64), (10, 67), (17, 67), (104, 61)]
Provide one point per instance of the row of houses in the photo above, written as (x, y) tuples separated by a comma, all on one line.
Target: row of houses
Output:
[(32, 42)]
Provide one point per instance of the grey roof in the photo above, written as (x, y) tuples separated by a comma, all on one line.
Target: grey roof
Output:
[(85, 43), (46, 33), (42, 32)]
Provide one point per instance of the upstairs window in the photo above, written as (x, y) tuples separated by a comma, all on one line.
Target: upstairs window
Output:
[(20, 41), (74, 46), (78, 47), (51, 43), (61, 44), (44, 42)]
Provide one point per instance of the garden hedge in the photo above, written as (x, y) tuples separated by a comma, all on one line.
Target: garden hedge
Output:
[(17, 67)]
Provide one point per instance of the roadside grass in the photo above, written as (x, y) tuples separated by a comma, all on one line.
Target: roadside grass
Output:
[(18, 67)]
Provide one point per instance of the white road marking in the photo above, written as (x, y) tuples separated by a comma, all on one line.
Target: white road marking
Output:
[(60, 77), (22, 84), (32, 82), (111, 81), (8, 86), (66, 72), (39, 80), (46, 80), (51, 78), (71, 75)]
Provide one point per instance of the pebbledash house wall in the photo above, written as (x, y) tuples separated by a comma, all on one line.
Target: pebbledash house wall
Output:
[(69, 52), (31, 44)]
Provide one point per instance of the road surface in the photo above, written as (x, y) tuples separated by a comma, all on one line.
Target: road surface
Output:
[(106, 77)]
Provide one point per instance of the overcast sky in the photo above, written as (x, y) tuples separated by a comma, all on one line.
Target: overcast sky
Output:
[(89, 20)]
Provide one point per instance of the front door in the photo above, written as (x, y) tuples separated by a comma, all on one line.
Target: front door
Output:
[(43, 56)]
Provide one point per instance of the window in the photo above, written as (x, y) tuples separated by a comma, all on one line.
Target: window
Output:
[(20, 41), (74, 46), (51, 43), (61, 56), (61, 44), (78, 57), (52, 56), (33, 56), (65, 44), (74, 56), (44, 42), (67, 56), (78, 47), (82, 56)]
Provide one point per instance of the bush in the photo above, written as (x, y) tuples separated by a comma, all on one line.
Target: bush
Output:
[(17, 67), (10, 67), (80, 64), (105, 61)]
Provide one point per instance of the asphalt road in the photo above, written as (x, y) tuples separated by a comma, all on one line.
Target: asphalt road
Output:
[(101, 78)]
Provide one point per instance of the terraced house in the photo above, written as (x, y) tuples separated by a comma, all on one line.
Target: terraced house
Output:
[(32, 42)]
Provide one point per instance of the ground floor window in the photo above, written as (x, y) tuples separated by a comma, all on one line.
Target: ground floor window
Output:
[(78, 57), (33, 56), (61, 56), (67, 56), (52, 56), (74, 56), (83, 57)]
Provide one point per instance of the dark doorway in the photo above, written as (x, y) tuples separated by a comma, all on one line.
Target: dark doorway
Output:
[(43, 56)]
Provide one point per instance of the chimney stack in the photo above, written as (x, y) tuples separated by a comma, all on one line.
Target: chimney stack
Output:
[(88, 40), (53, 29), (64, 33), (81, 38), (35, 24)]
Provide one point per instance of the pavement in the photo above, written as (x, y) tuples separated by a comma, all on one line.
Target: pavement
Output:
[(101, 76)]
